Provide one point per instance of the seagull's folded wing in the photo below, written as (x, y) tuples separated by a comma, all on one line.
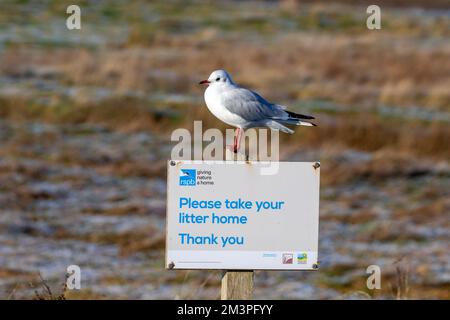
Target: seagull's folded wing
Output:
[(249, 105)]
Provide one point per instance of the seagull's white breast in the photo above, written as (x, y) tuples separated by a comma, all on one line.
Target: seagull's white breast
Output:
[(215, 105)]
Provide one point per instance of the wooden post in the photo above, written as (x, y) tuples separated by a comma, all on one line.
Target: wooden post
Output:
[(237, 285)]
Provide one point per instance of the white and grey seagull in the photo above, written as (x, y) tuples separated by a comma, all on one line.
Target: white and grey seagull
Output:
[(243, 108)]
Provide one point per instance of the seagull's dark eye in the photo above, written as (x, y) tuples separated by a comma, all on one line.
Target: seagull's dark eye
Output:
[(218, 78)]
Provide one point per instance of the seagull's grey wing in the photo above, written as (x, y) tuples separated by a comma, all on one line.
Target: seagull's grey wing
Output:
[(249, 105)]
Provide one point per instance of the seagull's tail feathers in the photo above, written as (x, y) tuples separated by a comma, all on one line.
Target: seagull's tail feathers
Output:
[(295, 122), (293, 119), (298, 115), (298, 122), (275, 125)]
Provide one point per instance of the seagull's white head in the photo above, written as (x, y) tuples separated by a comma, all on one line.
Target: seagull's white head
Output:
[(218, 77)]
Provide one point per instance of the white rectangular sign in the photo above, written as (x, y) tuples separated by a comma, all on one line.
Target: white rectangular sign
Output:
[(230, 216)]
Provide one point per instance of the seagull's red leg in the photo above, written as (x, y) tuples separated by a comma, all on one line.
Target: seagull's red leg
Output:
[(237, 140), (233, 147)]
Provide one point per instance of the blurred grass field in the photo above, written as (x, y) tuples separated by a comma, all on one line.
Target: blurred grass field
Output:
[(86, 117)]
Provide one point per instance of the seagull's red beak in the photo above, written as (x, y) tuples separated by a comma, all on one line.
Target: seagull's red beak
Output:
[(204, 81)]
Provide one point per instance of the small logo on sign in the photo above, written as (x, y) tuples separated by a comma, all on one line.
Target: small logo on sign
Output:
[(287, 258), (302, 258), (188, 177)]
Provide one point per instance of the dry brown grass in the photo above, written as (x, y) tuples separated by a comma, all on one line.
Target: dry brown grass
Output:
[(383, 3), (427, 213), (134, 169), (399, 285), (389, 161), (360, 217), (368, 68), (125, 113), (143, 240), (397, 138), (43, 291)]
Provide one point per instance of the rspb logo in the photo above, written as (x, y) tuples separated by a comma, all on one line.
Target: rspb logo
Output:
[(188, 177)]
